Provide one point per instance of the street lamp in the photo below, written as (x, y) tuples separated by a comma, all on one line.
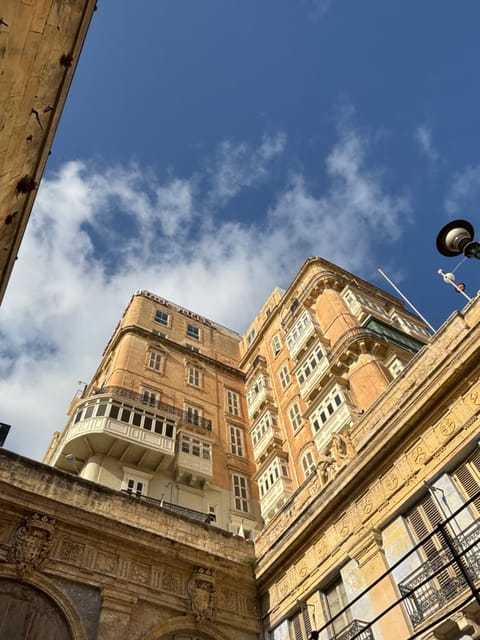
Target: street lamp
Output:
[(456, 237)]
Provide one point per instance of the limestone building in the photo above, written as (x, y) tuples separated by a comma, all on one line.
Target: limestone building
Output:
[(40, 43), (318, 473)]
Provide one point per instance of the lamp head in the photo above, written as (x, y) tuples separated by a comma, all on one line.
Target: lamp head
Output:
[(454, 237)]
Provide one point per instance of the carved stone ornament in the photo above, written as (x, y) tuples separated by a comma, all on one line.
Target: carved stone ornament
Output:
[(32, 543), (336, 455), (203, 594)]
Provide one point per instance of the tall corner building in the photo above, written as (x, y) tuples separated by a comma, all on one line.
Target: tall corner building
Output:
[(320, 473), (227, 428)]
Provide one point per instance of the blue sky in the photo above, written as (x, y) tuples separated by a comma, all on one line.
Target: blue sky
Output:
[(213, 142)]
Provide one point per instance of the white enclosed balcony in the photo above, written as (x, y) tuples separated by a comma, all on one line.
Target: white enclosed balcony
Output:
[(193, 462), (310, 371), (109, 424), (275, 497), (265, 435), (258, 393), (329, 417), (301, 332)]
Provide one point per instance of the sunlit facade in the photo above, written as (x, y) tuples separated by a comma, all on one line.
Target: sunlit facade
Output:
[(318, 473)]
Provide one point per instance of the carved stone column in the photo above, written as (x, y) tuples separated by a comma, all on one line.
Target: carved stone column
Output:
[(372, 563), (115, 614)]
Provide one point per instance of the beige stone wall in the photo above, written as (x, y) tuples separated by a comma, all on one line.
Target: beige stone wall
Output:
[(119, 569), (40, 43)]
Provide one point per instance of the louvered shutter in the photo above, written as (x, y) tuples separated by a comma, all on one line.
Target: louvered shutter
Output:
[(300, 625), (422, 520), (335, 599), (467, 477)]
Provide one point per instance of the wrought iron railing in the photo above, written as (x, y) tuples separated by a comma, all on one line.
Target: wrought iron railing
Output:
[(442, 585), (199, 516), (356, 629), (170, 409), (438, 580)]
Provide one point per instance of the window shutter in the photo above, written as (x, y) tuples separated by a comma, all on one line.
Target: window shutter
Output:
[(468, 477)]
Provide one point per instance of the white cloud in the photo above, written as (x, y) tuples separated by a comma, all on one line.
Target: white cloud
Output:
[(241, 165), (98, 234), (464, 193), (423, 136)]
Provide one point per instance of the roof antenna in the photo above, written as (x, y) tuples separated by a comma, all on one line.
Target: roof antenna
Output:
[(449, 278), (406, 299)]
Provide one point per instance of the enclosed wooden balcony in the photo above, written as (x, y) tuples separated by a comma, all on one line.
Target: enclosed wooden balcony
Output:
[(120, 426)]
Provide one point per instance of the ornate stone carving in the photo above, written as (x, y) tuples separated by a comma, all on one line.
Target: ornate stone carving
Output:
[(203, 594), (170, 582), (71, 551), (106, 563), (140, 573), (32, 543), (336, 454)]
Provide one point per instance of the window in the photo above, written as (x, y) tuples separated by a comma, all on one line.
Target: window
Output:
[(308, 464), (326, 409), (467, 477), (251, 336), (149, 397), (240, 493), (275, 470), (298, 330), (260, 383), (162, 317), (135, 482), (196, 447), (295, 416), (284, 375), (194, 376), (334, 599), (265, 423), (309, 365), (404, 323), (276, 344), (422, 520), (236, 441), (155, 360), (193, 414), (396, 367), (212, 513), (355, 299), (300, 626), (233, 402), (193, 331), (135, 486)]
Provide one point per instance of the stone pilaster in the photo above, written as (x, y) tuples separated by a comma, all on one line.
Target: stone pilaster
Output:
[(115, 614), (372, 563)]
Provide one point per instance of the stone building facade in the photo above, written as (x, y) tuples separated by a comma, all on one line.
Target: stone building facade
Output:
[(355, 433), (79, 561)]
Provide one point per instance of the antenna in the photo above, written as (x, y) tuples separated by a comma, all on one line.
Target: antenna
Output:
[(405, 298)]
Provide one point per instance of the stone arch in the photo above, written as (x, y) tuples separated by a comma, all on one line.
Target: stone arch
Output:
[(36, 587), (185, 625)]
